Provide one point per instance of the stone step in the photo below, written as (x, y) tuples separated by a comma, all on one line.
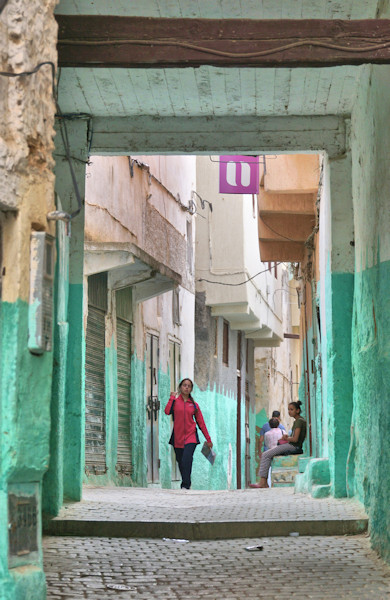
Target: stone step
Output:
[(291, 460), (205, 530), (283, 476), (200, 514)]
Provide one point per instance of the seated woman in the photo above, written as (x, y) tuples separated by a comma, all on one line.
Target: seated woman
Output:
[(290, 444)]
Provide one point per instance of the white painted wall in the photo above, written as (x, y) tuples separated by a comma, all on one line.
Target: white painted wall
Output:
[(277, 370), (227, 249), (157, 316)]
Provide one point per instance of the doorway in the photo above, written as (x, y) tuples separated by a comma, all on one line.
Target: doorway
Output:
[(123, 339), (152, 407), (95, 385), (174, 373)]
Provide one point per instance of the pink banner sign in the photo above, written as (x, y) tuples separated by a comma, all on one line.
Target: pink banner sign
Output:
[(238, 174)]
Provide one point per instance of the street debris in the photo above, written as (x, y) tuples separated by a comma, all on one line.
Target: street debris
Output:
[(175, 540), (294, 534), (120, 587), (254, 548)]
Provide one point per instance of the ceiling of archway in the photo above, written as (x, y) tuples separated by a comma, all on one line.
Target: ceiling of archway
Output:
[(208, 91), (228, 9)]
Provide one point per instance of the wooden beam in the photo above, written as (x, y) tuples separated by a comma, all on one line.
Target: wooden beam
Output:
[(219, 135), (115, 41), (281, 251)]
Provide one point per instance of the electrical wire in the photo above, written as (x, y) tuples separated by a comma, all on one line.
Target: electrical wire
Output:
[(64, 136), (276, 232), (242, 282), (224, 53)]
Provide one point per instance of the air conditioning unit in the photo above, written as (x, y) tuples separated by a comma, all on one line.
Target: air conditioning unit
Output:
[(40, 313)]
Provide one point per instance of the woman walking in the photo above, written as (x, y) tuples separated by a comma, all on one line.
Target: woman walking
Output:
[(288, 444), (186, 414)]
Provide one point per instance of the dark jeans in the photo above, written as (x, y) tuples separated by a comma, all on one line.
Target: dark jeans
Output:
[(184, 458)]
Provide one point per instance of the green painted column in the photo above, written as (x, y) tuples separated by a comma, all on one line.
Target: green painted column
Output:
[(138, 419), (64, 479), (337, 274), (53, 479)]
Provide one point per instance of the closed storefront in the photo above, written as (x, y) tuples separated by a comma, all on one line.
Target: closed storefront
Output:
[(95, 401), (123, 337)]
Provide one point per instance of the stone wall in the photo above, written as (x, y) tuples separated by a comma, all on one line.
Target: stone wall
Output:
[(27, 37)]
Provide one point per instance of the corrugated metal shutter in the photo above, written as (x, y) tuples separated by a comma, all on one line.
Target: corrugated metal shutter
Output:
[(123, 336), (95, 396)]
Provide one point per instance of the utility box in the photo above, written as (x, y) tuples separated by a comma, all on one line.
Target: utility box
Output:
[(40, 314)]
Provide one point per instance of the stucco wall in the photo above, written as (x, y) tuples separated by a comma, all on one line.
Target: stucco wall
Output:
[(138, 201), (369, 458), (27, 37)]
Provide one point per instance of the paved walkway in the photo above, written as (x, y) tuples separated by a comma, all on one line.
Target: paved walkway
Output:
[(294, 568), (145, 512), (193, 545)]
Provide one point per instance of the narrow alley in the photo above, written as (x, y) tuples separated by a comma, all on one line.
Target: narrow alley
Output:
[(194, 299)]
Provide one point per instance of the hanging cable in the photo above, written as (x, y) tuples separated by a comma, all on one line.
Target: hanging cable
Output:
[(242, 282), (56, 215), (370, 47)]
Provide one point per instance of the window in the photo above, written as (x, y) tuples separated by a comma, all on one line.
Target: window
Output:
[(176, 306), (174, 364), (225, 351), (190, 253)]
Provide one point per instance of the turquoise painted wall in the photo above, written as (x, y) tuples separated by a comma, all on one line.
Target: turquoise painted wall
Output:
[(165, 428), (370, 454), (219, 412), (261, 418), (25, 390), (339, 389), (369, 459)]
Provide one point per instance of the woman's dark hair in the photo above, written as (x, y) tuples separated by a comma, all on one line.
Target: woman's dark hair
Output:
[(273, 423), (296, 404), (187, 379), (192, 387)]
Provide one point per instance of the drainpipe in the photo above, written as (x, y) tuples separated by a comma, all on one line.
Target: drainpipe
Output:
[(307, 377)]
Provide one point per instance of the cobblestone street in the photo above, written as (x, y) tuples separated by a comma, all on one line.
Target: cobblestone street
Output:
[(294, 566), (322, 568)]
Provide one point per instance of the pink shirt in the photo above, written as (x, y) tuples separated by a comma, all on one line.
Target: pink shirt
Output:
[(272, 437)]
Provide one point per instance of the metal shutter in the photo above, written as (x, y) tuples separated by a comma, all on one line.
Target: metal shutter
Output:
[(123, 336), (95, 413)]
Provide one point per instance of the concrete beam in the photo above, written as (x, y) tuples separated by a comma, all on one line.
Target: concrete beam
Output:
[(229, 135)]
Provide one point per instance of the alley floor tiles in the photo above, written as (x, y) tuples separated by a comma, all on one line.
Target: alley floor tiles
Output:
[(199, 515), (297, 568)]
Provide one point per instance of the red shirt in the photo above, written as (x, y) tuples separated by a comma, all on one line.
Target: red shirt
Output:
[(184, 429)]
